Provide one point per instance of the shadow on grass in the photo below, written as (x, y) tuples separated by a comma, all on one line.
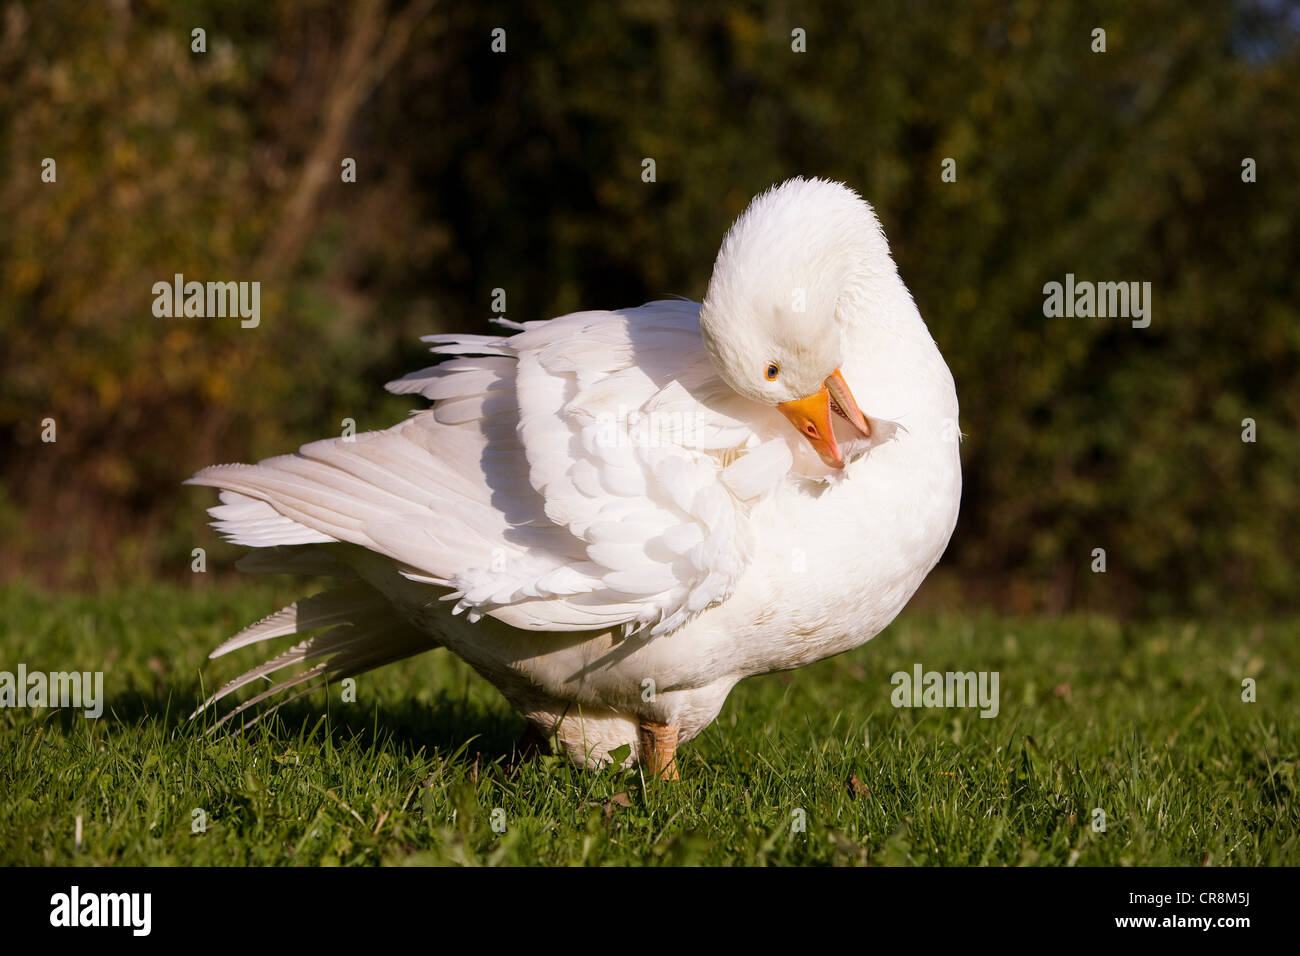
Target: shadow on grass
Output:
[(454, 728)]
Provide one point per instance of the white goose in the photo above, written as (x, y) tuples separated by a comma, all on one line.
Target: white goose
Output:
[(608, 514)]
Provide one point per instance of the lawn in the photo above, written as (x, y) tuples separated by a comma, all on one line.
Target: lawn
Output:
[(1144, 722)]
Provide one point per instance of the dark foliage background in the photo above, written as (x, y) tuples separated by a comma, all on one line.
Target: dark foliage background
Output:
[(522, 171)]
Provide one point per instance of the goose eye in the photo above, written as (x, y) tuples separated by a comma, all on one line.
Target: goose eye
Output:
[(772, 372)]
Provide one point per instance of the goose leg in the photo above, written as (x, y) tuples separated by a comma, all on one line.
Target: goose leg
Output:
[(659, 750)]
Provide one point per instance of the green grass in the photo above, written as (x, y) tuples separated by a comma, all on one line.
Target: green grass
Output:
[(1144, 721)]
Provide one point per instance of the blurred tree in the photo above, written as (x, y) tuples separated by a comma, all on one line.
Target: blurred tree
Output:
[(522, 170)]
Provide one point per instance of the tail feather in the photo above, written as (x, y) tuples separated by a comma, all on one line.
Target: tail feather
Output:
[(337, 606), (270, 692), (334, 641), (364, 631), (262, 715)]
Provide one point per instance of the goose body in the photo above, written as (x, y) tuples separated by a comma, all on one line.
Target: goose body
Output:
[(608, 514)]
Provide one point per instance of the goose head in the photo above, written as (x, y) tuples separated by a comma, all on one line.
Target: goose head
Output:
[(795, 273)]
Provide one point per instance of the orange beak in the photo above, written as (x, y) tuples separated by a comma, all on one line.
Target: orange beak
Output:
[(811, 417)]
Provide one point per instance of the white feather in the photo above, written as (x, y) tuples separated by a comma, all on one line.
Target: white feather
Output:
[(625, 474)]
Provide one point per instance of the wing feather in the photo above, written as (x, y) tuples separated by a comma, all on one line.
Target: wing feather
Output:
[(586, 472)]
